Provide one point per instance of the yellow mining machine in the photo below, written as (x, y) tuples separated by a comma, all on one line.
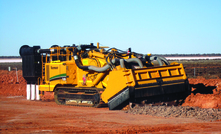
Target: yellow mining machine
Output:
[(88, 75)]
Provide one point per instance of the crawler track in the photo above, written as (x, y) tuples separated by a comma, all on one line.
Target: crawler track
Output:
[(86, 97), (90, 97)]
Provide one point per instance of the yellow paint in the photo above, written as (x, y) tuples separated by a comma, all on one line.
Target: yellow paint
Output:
[(56, 61), (46, 87), (118, 80), (104, 84), (112, 81), (85, 62)]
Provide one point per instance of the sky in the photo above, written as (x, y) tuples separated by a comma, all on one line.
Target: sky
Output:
[(147, 26)]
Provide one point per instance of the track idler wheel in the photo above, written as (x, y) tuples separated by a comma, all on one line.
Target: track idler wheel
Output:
[(58, 100)]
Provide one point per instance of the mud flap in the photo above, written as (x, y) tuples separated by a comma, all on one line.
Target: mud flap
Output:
[(119, 99)]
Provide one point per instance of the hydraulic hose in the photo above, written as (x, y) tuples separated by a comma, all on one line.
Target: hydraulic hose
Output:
[(138, 61), (164, 60), (115, 61), (122, 63), (77, 61), (93, 68), (46, 50), (160, 60), (157, 59), (106, 67)]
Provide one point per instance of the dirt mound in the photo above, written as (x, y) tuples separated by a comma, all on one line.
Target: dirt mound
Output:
[(206, 93), (10, 86), (48, 96), (203, 100)]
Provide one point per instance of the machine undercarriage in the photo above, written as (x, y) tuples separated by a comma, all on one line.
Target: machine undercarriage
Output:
[(65, 95)]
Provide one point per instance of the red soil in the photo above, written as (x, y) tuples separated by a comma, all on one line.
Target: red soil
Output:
[(207, 93), (9, 85), (21, 116)]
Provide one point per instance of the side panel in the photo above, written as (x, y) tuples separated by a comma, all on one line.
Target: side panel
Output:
[(166, 73), (160, 81), (117, 81), (55, 73), (71, 71)]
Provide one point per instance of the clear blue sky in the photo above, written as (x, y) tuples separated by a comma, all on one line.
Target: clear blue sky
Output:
[(155, 26)]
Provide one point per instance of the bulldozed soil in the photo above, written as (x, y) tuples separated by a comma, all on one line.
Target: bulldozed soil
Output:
[(200, 113)]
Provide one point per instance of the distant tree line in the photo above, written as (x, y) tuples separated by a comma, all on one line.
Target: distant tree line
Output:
[(9, 57), (166, 55), (188, 55)]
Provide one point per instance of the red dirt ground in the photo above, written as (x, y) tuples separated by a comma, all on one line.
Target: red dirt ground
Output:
[(19, 115)]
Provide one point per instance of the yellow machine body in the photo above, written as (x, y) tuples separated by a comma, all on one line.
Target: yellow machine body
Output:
[(77, 76)]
